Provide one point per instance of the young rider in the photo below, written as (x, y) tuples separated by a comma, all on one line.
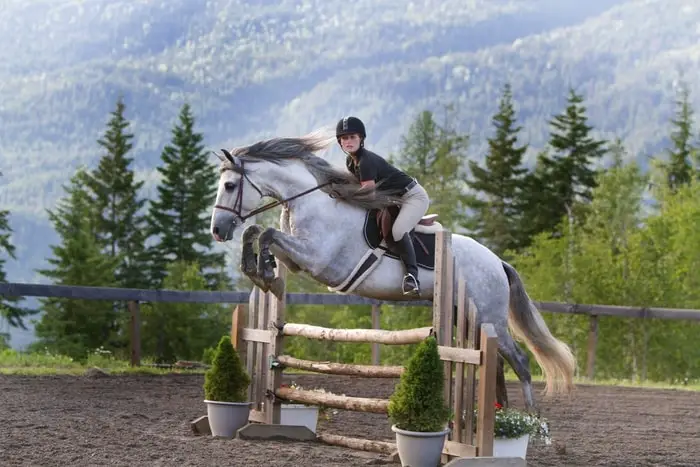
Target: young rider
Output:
[(371, 169)]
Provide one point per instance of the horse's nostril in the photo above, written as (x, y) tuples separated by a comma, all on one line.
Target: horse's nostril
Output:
[(216, 230)]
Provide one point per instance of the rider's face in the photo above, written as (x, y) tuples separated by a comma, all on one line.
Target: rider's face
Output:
[(350, 143)]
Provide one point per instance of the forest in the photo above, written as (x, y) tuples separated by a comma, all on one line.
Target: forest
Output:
[(586, 224)]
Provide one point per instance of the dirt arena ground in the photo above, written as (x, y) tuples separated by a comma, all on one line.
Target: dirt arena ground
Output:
[(144, 420)]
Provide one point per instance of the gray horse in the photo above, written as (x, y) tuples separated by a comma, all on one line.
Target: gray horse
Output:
[(324, 232)]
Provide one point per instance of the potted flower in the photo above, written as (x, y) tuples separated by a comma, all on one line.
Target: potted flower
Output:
[(417, 408), (225, 391), (514, 429)]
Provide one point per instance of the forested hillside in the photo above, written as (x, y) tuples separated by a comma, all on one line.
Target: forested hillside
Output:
[(253, 69)]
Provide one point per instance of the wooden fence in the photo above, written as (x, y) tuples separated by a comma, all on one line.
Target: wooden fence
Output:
[(136, 296)]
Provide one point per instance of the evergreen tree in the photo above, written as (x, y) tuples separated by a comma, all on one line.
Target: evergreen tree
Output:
[(8, 305), (565, 178), (496, 218), (535, 195), (68, 326), (434, 154), (120, 228), (179, 216), (678, 168)]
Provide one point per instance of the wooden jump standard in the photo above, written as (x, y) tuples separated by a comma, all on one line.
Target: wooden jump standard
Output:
[(260, 342)]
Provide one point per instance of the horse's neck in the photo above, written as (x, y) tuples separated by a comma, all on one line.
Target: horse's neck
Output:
[(292, 180), (312, 209)]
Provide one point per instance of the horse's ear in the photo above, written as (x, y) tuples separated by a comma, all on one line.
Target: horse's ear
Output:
[(228, 156), (219, 156)]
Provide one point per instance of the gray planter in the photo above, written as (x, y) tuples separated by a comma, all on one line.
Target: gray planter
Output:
[(419, 449), (225, 418)]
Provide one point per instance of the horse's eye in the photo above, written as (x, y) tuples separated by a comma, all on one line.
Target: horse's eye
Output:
[(229, 186)]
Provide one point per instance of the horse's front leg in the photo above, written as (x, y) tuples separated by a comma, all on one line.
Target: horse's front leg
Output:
[(249, 261), (293, 252)]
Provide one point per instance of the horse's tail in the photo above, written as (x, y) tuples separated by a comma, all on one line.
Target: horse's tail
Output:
[(525, 321)]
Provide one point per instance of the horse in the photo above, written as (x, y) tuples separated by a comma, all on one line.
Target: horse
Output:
[(331, 229)]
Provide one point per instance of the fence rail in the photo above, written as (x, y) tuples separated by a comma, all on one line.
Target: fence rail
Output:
[(136, 296), (79, 292)]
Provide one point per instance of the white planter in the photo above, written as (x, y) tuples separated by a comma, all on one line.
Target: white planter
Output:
[(419, 449), (299, 415), (225, 418), (510, 447)]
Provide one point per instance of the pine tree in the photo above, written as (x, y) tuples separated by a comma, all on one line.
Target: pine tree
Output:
[(679, 170), (115, 193), (75, 327), (564, 179), (434, 154), (497, 213), (179, 216), (8, 305), (535, 198)]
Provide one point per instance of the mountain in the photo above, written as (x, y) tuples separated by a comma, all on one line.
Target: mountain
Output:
[(260, 68)]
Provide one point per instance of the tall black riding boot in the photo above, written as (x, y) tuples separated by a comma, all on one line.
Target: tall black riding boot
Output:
[(408, 257)]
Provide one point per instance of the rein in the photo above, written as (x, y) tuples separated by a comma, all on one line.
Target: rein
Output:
[(238, 204)]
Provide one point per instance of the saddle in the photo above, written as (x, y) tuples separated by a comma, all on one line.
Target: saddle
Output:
[(385, 221), (377, 228)]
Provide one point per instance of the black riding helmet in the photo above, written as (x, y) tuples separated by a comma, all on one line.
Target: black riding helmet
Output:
[(349, 125)]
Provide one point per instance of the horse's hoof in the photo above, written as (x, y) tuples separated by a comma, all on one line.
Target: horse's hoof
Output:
[(260, 283), (267, 274), (277, 288)]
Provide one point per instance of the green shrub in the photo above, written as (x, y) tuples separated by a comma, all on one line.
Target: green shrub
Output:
[(418, 403), (227, 379), (208, 355)]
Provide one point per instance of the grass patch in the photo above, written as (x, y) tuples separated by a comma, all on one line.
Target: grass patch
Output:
[(13, 362)]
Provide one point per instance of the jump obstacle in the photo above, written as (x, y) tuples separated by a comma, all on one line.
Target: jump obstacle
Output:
[(261, 339)]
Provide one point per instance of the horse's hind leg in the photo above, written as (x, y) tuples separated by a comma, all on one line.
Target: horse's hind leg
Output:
[(501, 390), (519, 361)]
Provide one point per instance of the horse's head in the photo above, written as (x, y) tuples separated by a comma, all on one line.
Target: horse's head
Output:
[(236, 197)]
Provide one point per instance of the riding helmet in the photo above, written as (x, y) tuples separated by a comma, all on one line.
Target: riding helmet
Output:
[(348, 125)]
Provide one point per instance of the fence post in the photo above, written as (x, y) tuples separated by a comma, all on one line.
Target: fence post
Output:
[(592, 343), (376, 312), (135, 328)]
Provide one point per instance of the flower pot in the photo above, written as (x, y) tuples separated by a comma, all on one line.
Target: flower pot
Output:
[(299, 415), (419, 449), (511, 447), (225, 418)]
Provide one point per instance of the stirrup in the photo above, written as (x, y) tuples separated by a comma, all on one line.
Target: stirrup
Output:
[(415, 289)]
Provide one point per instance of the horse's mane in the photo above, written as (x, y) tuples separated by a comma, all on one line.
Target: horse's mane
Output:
[(343, 185)]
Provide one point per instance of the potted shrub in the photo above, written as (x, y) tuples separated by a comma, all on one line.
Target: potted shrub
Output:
[(225, 390), (417, 408)]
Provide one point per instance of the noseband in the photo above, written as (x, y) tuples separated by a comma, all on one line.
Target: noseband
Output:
[(238, 203)]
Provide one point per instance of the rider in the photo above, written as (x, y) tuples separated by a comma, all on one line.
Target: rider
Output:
[(370, 169)]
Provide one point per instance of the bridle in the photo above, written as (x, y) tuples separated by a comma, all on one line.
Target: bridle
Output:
[(238, 203)]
